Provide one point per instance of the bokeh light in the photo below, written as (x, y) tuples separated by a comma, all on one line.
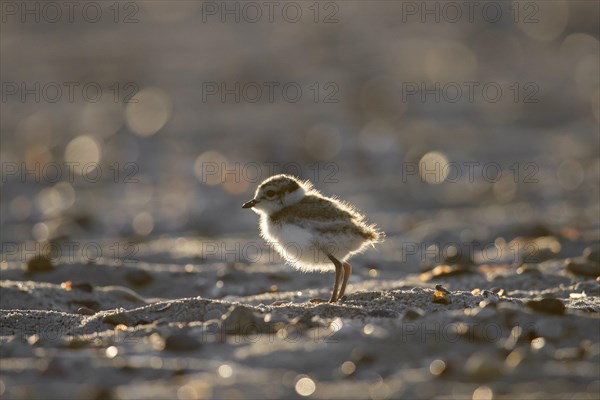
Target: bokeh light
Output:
[(305, 386), (209, 167), (148, 111), (323, 141), (570, 174), (434, 167), (143, 223), (83, 153), (549, 22)]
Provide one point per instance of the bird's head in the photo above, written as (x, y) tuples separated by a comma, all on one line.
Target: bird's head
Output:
[(277, 192)]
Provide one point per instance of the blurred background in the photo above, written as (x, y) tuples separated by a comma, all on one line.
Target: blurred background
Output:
[(149, 118), (131, 133)]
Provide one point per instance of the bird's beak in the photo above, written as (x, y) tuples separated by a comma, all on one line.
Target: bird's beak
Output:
[(250, 203)]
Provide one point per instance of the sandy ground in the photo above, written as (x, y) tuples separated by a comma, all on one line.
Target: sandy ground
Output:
[(229, 330), (158, 283)]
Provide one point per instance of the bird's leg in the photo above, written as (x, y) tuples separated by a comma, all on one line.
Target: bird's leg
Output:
[(338, 276), (347, 273)]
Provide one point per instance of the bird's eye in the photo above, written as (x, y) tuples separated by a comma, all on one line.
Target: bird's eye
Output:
[(270, 193)]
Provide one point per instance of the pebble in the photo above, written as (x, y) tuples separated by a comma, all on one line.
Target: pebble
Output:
[(442, 289), (535, 249), (528, 269), (536, 230), (491, 296), (549, 306), (38, 264), (85, 311), (539, 255), (139, 277), (581, 266), (444, 271), (181, 342), (439, 297)]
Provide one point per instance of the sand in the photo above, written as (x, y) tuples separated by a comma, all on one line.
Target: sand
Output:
[(182, 334)]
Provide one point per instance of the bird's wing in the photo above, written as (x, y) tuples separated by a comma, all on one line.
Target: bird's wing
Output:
[(314, 210)]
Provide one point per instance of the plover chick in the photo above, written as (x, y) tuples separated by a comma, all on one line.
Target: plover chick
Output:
[(312, 232)]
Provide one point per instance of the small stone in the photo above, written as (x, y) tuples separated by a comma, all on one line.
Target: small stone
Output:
[(442, 289), (445, 271), (581, 266), (439, 297), (528, 269), (118, 318), (85, 311), (539, 255), (139, 277), (491, 296), (536, 249), (549, 306), (38, 264), (535, 230), (413, 313), (592, 253), (181, 342)]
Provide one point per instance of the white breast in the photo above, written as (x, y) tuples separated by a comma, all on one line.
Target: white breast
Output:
[(297, 245), (302, 247)]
